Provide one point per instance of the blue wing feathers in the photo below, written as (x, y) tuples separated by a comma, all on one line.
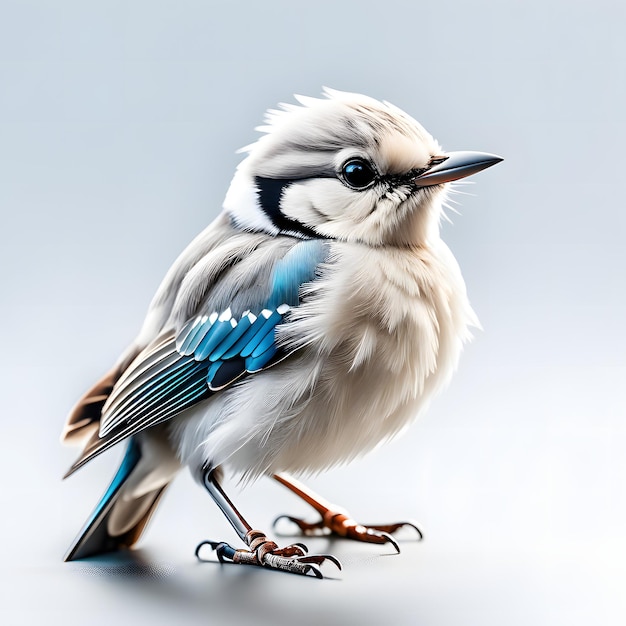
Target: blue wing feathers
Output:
[(245, 339), (155, 387), (190, 333), (212, 350), (180, 394), (297, 267), (255, 364), (226, 373), (184, 333), (263, 346), (250, 341), (267, 326), (231, 339), (199, 328), (179, 379), (218, 332), (130, 404), (180, 386), (209, 353), (205, 328), (213, 370)]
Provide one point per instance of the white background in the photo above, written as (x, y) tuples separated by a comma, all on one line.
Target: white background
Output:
[(119, 123)]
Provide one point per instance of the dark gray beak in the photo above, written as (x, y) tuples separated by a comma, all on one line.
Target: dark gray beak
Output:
[(455, 165)]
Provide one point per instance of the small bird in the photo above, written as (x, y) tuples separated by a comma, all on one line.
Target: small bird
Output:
[(314, 318)]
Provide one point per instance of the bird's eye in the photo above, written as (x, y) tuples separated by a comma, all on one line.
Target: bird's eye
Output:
[(357, 173)]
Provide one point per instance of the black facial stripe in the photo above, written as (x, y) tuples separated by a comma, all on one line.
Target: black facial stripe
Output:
[(270, 191)]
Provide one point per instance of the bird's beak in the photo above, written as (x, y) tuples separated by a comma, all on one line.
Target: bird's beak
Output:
[(455, 165)]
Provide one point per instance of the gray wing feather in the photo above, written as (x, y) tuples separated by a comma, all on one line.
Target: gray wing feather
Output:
[(220, 343)]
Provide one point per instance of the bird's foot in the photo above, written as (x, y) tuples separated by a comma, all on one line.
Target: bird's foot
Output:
[(338, 523), (266, 553)]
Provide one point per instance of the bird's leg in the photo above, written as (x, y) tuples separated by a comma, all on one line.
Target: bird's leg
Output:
[(337, 521), (262, 551)]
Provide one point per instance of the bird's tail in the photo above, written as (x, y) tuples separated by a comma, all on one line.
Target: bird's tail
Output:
[(126, 507)]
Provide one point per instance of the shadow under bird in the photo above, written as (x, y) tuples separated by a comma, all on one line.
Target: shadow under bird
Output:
[(315, 317)]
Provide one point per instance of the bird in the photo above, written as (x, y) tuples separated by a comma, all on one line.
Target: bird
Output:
[(313, 319)]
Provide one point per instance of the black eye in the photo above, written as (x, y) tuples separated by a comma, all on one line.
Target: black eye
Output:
[(358, 173)]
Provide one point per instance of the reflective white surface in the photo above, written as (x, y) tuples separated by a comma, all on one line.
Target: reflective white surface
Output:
[(118, 129)]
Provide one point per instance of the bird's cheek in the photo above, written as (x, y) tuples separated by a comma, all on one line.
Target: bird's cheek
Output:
[(321, 201)]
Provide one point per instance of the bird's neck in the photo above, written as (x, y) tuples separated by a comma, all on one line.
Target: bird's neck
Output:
[(243, 206)]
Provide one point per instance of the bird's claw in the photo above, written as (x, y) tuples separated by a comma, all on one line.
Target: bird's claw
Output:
[(318, 559), (296, 549), (266, 553), (392, 528), (224, 551), (340, 524)]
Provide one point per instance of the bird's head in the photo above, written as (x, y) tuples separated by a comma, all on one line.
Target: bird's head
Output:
[(346, 167)]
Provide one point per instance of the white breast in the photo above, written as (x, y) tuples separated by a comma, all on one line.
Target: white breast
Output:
[(379, 333)]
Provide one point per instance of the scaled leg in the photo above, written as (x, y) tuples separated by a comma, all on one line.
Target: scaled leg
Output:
[(261, 551), (337, 521)]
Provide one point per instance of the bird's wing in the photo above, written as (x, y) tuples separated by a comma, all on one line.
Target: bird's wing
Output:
[(84, 419), (217, 247), (209, 352)]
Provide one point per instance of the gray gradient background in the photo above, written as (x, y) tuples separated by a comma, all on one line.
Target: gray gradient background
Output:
[(119, 123)]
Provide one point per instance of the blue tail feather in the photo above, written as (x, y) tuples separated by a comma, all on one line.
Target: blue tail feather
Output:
[(94, 538)]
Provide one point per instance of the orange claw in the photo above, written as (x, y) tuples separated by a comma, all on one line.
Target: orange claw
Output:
[(336, 522)]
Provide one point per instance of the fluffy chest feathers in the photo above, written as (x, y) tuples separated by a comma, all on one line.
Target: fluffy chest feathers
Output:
[(390, 309), (388, 326), (377, 334)]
